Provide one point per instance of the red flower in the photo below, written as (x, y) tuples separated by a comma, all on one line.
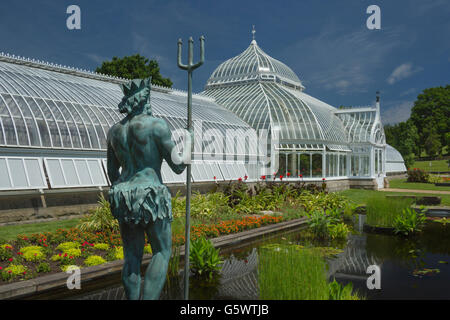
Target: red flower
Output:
[(301, 176), (263, 177), (245, 177), (65, 255), (323, 179), (1, 268), (10, 259), (240, 179), (9, 271), (288, 174), (24, 272), (214, 177), (281, 177)]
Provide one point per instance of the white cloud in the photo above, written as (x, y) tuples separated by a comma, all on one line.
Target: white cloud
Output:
[(344, 61), (396, 111), (403, 71)]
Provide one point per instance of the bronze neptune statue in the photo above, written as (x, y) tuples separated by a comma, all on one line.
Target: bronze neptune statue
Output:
[(139, 200)]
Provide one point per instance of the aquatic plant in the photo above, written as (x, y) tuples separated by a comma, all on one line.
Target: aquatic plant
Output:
[(288, 273), (382, 212), (204, 258), (410, 221), (338, 231)]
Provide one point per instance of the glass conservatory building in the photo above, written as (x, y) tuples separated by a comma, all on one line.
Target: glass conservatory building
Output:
[(54, 122)]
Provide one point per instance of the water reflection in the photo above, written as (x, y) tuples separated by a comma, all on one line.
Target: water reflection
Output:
[(397, 257)]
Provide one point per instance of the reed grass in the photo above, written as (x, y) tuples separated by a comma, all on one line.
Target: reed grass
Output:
[(291, 274), (382, 212)]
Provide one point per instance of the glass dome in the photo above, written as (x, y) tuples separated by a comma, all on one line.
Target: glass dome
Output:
[(253, 64)]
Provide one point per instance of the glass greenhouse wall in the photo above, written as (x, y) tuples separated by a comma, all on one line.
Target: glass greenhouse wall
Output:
[(54, 122)]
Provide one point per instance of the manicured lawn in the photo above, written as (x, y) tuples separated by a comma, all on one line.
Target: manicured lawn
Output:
[(11, 232), (359, 196), (436, 165), (403, 184)]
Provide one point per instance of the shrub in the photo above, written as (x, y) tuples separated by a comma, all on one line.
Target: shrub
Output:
[(14, 271), (338, 231), (409, 222), (205, 260), (319, 222), (101, 219), (94, 260), (115, 253), (68, 245), (33, 255), (101, 246), (43, 267), (6, 252), (417, 175)]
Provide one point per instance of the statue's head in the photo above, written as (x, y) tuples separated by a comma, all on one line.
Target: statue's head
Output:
[(136, 95)]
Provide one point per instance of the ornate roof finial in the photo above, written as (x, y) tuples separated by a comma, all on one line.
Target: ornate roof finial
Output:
[(253, 32)]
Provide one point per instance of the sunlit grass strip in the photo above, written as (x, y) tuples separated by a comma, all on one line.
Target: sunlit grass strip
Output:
[(381, 212), (291, 274)]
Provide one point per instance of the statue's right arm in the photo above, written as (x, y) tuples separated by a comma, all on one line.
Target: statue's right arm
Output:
[(112, 164), (168, 149)]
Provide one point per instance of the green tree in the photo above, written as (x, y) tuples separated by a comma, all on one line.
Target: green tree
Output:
[(403, 136), (432, 109), (134, 67), (433, 144)]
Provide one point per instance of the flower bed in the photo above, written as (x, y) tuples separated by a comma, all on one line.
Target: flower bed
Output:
[(51, 252)]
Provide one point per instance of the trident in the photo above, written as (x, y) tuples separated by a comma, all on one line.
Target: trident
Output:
[(190, 67)]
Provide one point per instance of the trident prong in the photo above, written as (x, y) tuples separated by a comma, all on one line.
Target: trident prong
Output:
[(190, 67)]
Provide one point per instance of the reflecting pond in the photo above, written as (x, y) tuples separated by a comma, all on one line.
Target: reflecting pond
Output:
[(411, 268)]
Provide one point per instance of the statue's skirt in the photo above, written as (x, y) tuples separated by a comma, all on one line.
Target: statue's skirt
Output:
[(140, 203)]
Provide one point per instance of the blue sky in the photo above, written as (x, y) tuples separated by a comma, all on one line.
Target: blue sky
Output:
[(326, 43)]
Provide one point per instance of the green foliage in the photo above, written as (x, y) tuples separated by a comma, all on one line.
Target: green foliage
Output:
[(174, 262), (381, 212), (319, 222), (115, 253), (291, 274), (94, 260), (410, 221), (431, 116), (340, 292), (204, 258), (417, 175), (305, 269), (67, 245), (14, 271), (101, 246), (32, 253), (134, 67), (43, 267), (6, 252), (148, 249), (101, 219), (338, 231), (403, 136)]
